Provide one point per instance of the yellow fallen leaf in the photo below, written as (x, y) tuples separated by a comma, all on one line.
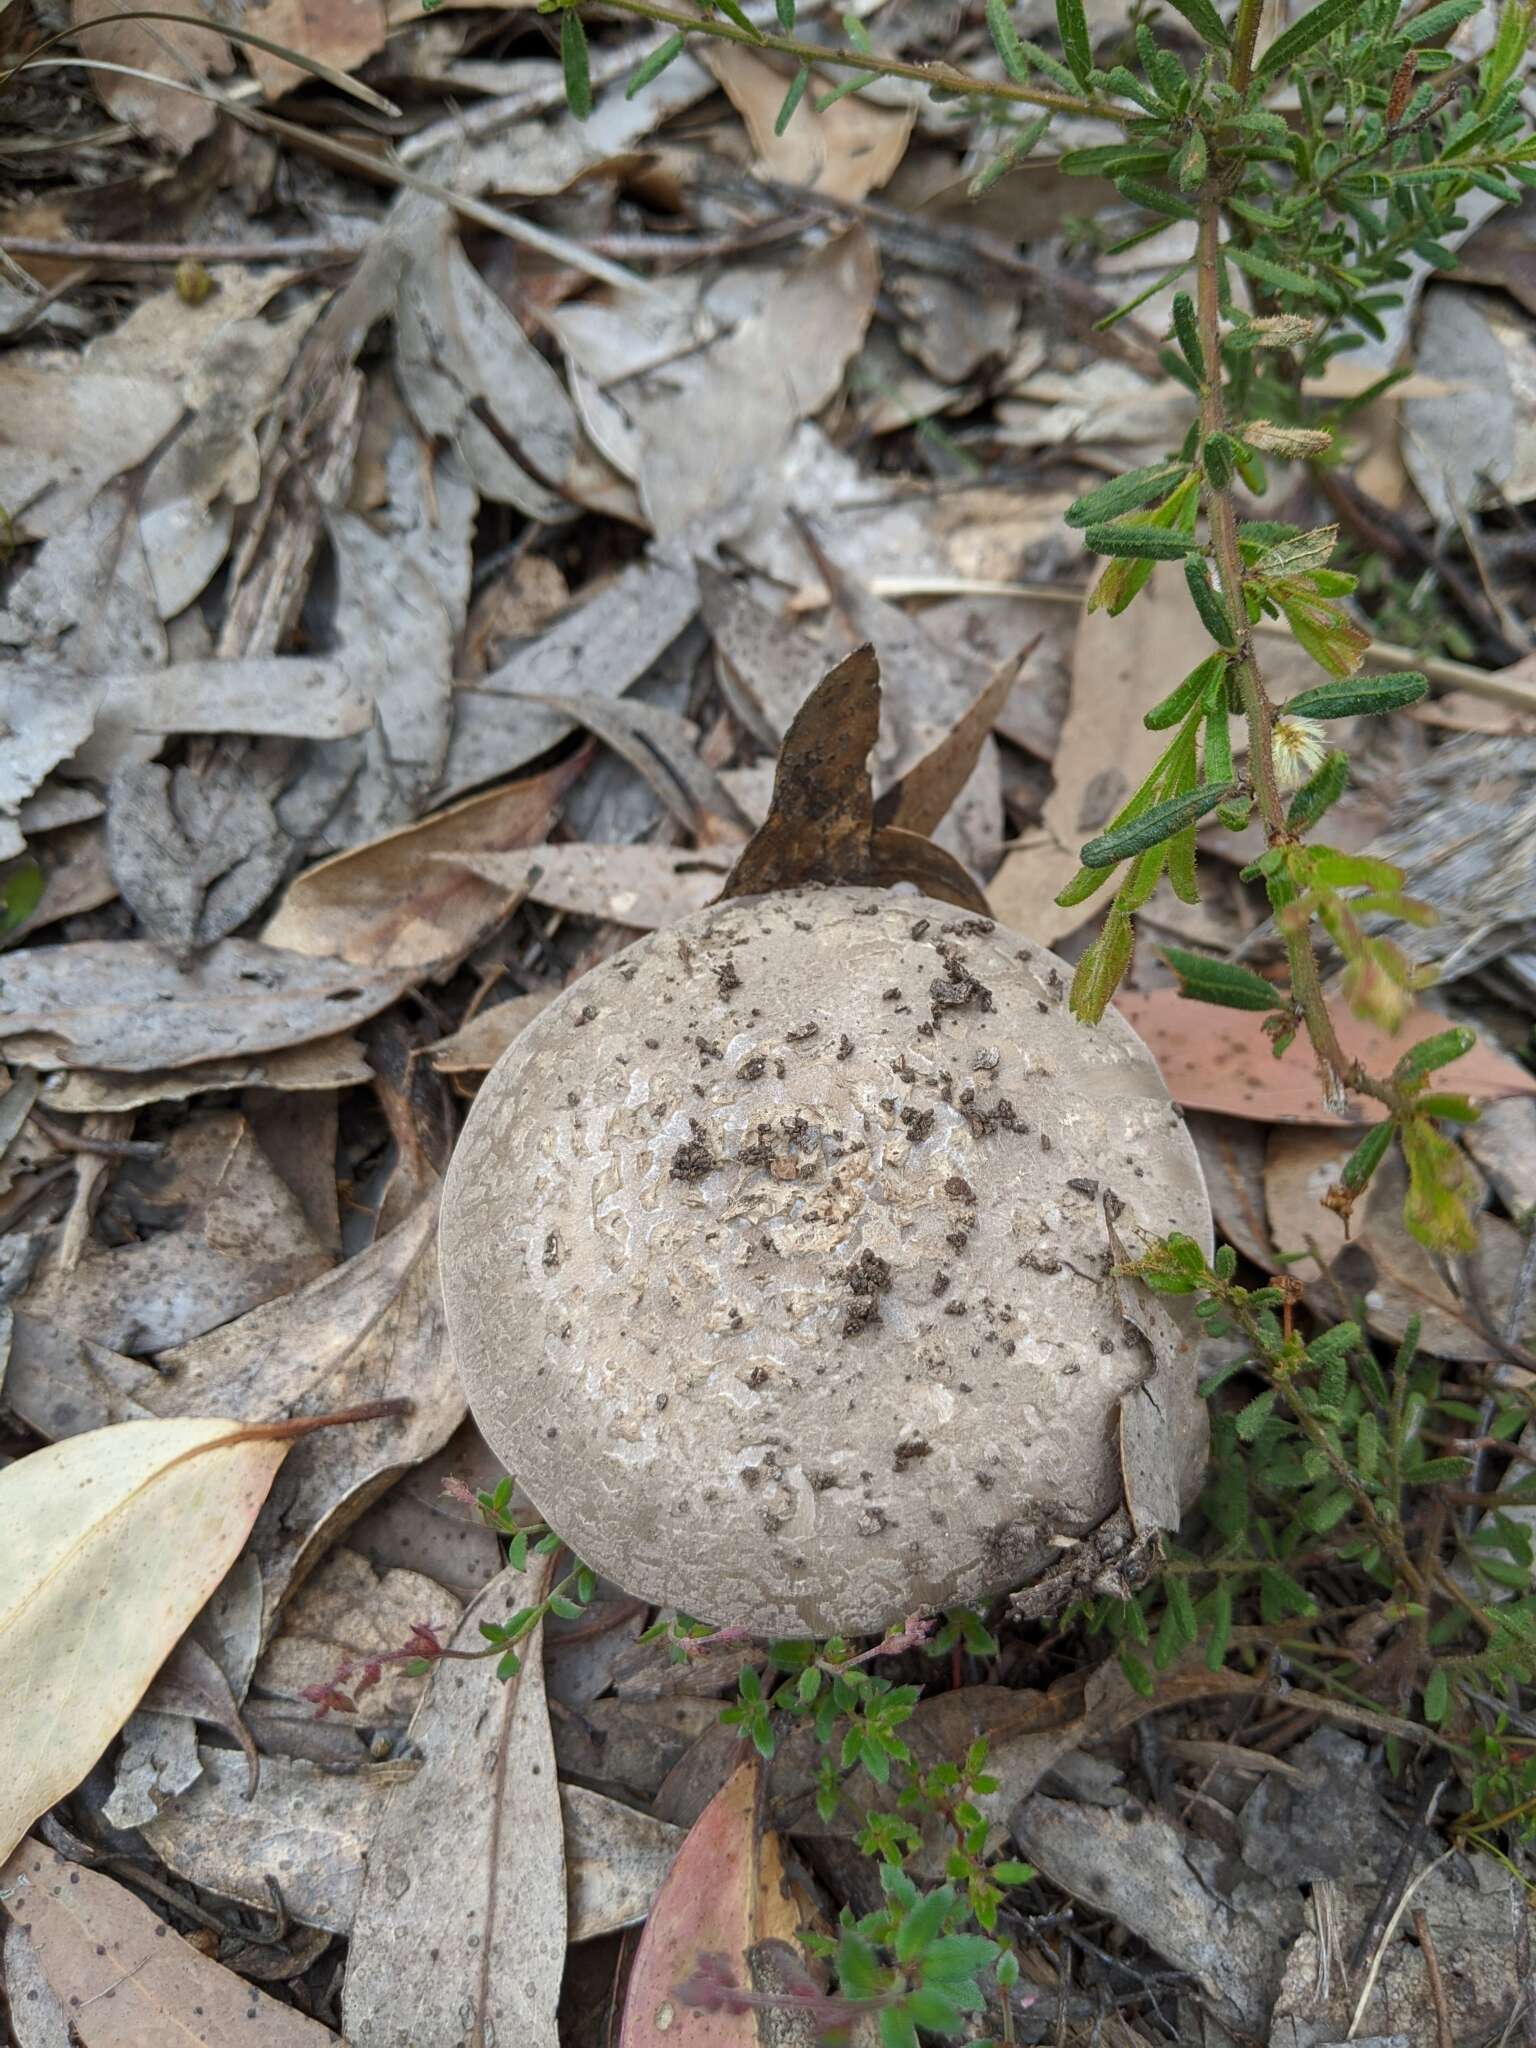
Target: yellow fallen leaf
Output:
[(110, 1542)]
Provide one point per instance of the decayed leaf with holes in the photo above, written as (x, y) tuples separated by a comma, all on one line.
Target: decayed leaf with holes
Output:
[(390, 902), (1217, 1059), (109, 1544), (123, 1006), (170, 49), (461, 1930), (126, 1978), (728, 1894)]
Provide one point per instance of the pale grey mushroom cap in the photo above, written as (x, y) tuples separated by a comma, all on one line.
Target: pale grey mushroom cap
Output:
[(775, 1259)]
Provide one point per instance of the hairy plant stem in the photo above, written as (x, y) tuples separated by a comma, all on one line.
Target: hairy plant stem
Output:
[(1339, 1072), (945, 76)]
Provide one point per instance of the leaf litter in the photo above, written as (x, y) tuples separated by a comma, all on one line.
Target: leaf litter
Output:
[(407, 606)]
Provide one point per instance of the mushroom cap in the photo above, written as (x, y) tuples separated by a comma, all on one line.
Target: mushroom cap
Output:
[(776, 1266)]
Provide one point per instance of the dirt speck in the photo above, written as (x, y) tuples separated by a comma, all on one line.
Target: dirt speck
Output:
[(919, 1123), (693, 1159), (727, 980), (869, 1273)]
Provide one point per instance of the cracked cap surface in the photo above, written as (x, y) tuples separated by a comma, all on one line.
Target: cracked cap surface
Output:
[(774, 1260)]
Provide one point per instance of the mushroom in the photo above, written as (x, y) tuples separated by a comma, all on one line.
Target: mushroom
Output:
[(777, 1268)]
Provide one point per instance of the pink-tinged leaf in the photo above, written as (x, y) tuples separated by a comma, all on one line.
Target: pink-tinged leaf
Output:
[(1221, 1060), (725, 1919)]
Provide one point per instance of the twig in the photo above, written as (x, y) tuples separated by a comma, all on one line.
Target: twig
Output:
[(296, 249), (1397, 1880), (1370, 1976), (99, 1148), (1421, 1933)]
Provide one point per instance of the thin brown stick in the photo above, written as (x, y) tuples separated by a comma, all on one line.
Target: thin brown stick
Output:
[(99, 1148), (1426, 1941), (297, 249)]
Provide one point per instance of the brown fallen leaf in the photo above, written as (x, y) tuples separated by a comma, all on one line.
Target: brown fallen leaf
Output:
[(420, 1526), (461, 1929), (727, 1895), (341, 33), (846, 151), (897, 856), (324, 1063), (242, 1238), (388, 903), (476, 1046), (172, 49), (661, 746), (641, 886), (1231, 1152), (124, 1976), (1120, 668), (1220, 1060), (122, 1005), (192, 1685)]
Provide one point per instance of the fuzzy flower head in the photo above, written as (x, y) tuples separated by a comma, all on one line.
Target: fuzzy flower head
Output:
[(1300, 744)]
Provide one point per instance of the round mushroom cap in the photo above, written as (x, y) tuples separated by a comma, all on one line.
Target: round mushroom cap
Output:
[(776, 1262)]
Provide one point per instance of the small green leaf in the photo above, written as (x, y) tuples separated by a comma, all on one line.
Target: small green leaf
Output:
[(1012, 1873), (1221, 981), (1251, 1420), (785, 10), (1189, 168), (1101, 968), (20, 894), (1137, 1676), (921, 1924), (1126, 493), (1305, 34), (1437, 1697), (1186, 331), (858, 1967), (1207, 601), (1154, 825), (573, 60), (792, 99), (1437, 1051), (1072, 26), (1138, 543), (1322, 789), (1189, 692), (1359, 694), (896, 2029), (1204, 20), (1279, 276), (1005, 37), (653, 66), (1221, 1626)]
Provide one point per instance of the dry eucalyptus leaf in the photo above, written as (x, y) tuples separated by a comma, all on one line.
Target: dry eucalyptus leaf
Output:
[(471, 376), (127, 1977), (370, 1330), (37, 2017), (112, 1542), (73, 618), (724, 415), (284, 696), (301, 1069), (309, 1827), (169, 48), (341, 33), (1231, 1152), (845, 152), (476, 1046), (389, 905), (1217, 1059), (59, 1383), (921, 799), (156, 1759), (195, 856), (65, 431), (43, 719), (767, 665), (462, 1925), (420, 1527), (122, 1005), (631, 1744), (660, 745), (76, 877), (640, 886), (1120, 668), (345, 1613), (607, 643), (898, 856), (728, 1893), (242, 1238), (616, 1860), (192, 1685)]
